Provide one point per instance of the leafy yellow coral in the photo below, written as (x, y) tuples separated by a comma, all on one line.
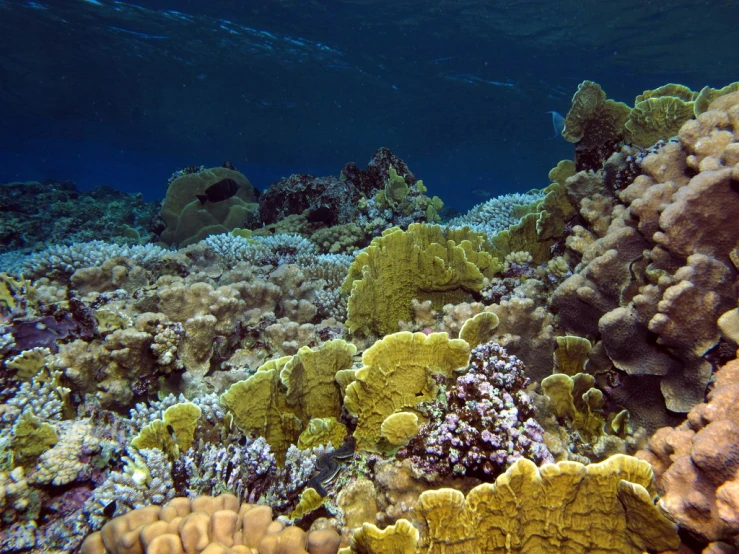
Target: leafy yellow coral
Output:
[(603, 508), (709, 94), (537, 231), (399, 428), (593, 120), (479, 329), (571, 354), (259, 405), (400, 538), (172, 434), (657, 118), (575, 399), (310, 379), (31, 438), (280, 399), (28, 363), (320, 431), (398, 374), (309, 501), (562, 171), (420, 263), (670, 89)]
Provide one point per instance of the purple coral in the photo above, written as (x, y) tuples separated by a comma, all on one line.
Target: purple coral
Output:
[(483, 422)]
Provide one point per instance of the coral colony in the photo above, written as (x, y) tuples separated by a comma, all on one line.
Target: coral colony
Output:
[(333, 365)]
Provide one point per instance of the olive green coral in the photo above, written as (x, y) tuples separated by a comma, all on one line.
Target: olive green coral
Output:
[(657, 118), (286, 394), (310, 379), (174, 433), (421, 263), (571, 354), (479, 329), (603, 508), (538, 230), (259, 405), (709, 94), (593, 120), (576, 400), (31, 438), (398, 374)]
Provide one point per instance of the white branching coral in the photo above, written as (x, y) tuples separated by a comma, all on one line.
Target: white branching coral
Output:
[(496, 214), (66, 259)]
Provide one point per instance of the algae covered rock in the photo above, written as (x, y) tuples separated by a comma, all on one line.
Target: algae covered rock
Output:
[(189, 221)]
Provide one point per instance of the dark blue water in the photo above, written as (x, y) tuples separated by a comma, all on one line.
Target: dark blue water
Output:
[(122, 93)]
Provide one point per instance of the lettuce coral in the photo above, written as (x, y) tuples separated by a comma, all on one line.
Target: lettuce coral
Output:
[(420, 263), (398, 374), (601, 508)]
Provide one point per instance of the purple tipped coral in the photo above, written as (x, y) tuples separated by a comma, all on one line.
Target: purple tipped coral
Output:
[(481, 423)]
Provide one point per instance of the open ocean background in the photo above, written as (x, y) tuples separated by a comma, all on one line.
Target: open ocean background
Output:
[(118, 93)]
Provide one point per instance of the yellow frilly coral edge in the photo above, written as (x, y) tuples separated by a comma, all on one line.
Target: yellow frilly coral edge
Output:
[(603, 508)]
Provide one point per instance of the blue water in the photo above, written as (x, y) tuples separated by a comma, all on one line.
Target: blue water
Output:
[(123, 94)]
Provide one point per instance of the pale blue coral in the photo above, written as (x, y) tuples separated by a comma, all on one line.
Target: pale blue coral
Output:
[(66, 259), (496, 214)]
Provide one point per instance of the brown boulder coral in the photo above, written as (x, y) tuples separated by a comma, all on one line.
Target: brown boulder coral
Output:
[(654, 285), (697, 462)]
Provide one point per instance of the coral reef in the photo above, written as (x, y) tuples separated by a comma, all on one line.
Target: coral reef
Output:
[(655, 283), (75, 216), (328, 354)]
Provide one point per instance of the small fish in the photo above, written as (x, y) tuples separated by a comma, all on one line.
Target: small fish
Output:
[(109, 509), (242, 441), (558, 122), (170, 430), (229, 469), (217, 192)]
